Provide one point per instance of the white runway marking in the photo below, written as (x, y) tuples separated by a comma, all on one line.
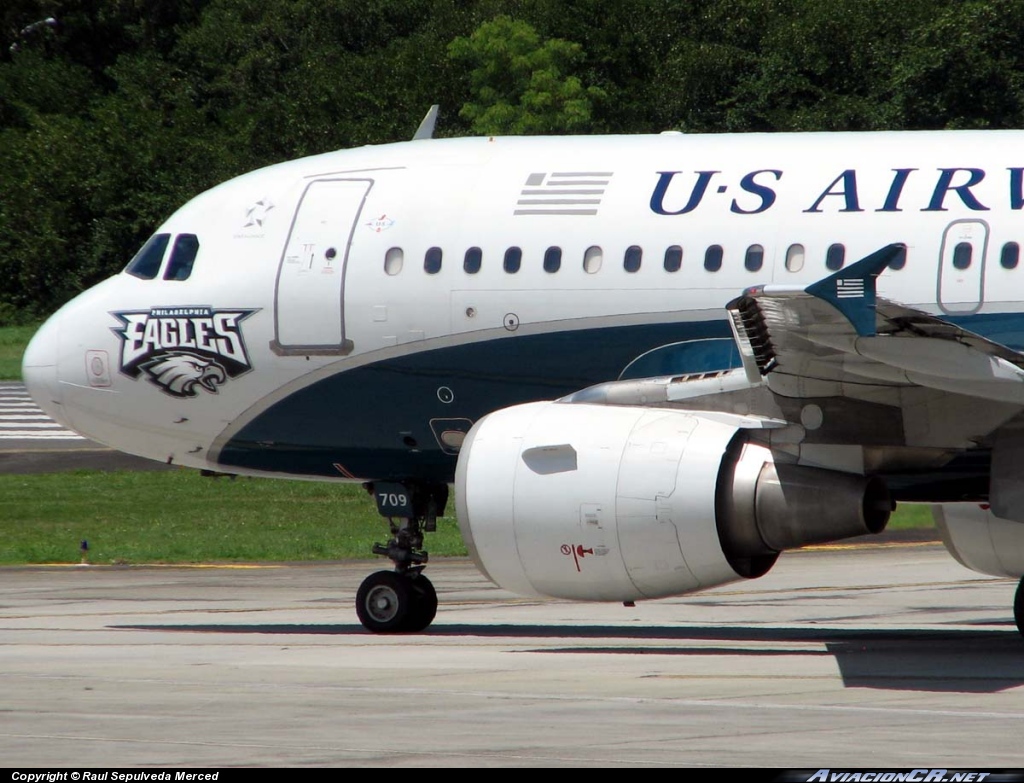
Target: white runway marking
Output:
[(22, 419)]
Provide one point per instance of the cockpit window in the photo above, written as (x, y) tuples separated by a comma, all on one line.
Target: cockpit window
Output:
[(147, 261), (186, 246)]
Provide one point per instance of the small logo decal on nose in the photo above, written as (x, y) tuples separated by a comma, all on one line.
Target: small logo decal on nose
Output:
[(256, 213)]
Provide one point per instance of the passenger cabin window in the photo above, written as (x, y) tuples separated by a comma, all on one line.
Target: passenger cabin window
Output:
[(513, 258), (795, 258), (393, 261), (900, 259), (432, 261), (147, 261), (713, 258), (471, 263), (962, 255), (631, 261), (183, 256), (552, 259), (835, 257), (754, 259), (1010, 255), (592, 260), (673, 258)]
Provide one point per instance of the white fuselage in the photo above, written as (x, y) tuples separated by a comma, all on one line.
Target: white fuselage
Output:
[(357, 260)]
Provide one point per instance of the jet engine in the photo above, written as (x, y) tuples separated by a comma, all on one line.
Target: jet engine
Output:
[(980, 540), (601, 503)]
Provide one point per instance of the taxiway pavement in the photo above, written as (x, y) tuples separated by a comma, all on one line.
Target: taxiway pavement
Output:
[(882, 656)]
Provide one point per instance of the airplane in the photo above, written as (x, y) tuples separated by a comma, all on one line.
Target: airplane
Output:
[(647, 365)]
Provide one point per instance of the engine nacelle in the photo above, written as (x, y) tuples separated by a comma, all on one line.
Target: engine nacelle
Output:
[(602, 503), (980, 540)]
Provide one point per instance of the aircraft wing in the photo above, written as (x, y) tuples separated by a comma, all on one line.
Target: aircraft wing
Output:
[(837, 334), (843, 378)]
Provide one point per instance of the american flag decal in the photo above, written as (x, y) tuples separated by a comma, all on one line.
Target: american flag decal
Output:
[(850, 289), (562, 193)]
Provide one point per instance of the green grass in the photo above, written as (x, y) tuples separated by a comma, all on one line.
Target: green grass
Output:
[(13, 340), (179, 516), (908, 517)]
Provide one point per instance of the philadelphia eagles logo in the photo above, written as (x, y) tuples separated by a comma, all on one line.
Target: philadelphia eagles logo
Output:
[(183, 350), (180, 373)]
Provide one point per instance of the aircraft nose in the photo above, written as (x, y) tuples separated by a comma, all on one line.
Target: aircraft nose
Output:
[(39, 370)]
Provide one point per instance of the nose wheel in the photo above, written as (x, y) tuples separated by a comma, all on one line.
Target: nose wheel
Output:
[(383, 601), (392, 602), (1018, 607), (424, 604)]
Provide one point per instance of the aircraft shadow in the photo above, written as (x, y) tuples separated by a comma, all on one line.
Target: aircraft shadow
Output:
[(956, 661)]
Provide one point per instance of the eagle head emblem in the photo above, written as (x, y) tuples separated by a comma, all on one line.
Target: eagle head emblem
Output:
[(181, 374)]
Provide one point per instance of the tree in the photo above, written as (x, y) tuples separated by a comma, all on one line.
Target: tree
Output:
[(521, 84), (963, 67)]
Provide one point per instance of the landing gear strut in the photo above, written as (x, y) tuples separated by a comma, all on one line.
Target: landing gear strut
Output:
[(402, 600)]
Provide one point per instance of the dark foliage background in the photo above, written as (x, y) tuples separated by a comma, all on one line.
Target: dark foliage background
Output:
[(117, 111)]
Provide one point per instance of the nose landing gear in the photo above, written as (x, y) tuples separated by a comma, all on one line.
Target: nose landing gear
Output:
[(402, 600)]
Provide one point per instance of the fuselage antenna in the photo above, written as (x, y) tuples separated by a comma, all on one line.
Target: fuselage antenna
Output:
[(426, 129)]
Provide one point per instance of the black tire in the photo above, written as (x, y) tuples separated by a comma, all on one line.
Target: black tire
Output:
[(1018, 607), (424, 604), (383, 602)]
